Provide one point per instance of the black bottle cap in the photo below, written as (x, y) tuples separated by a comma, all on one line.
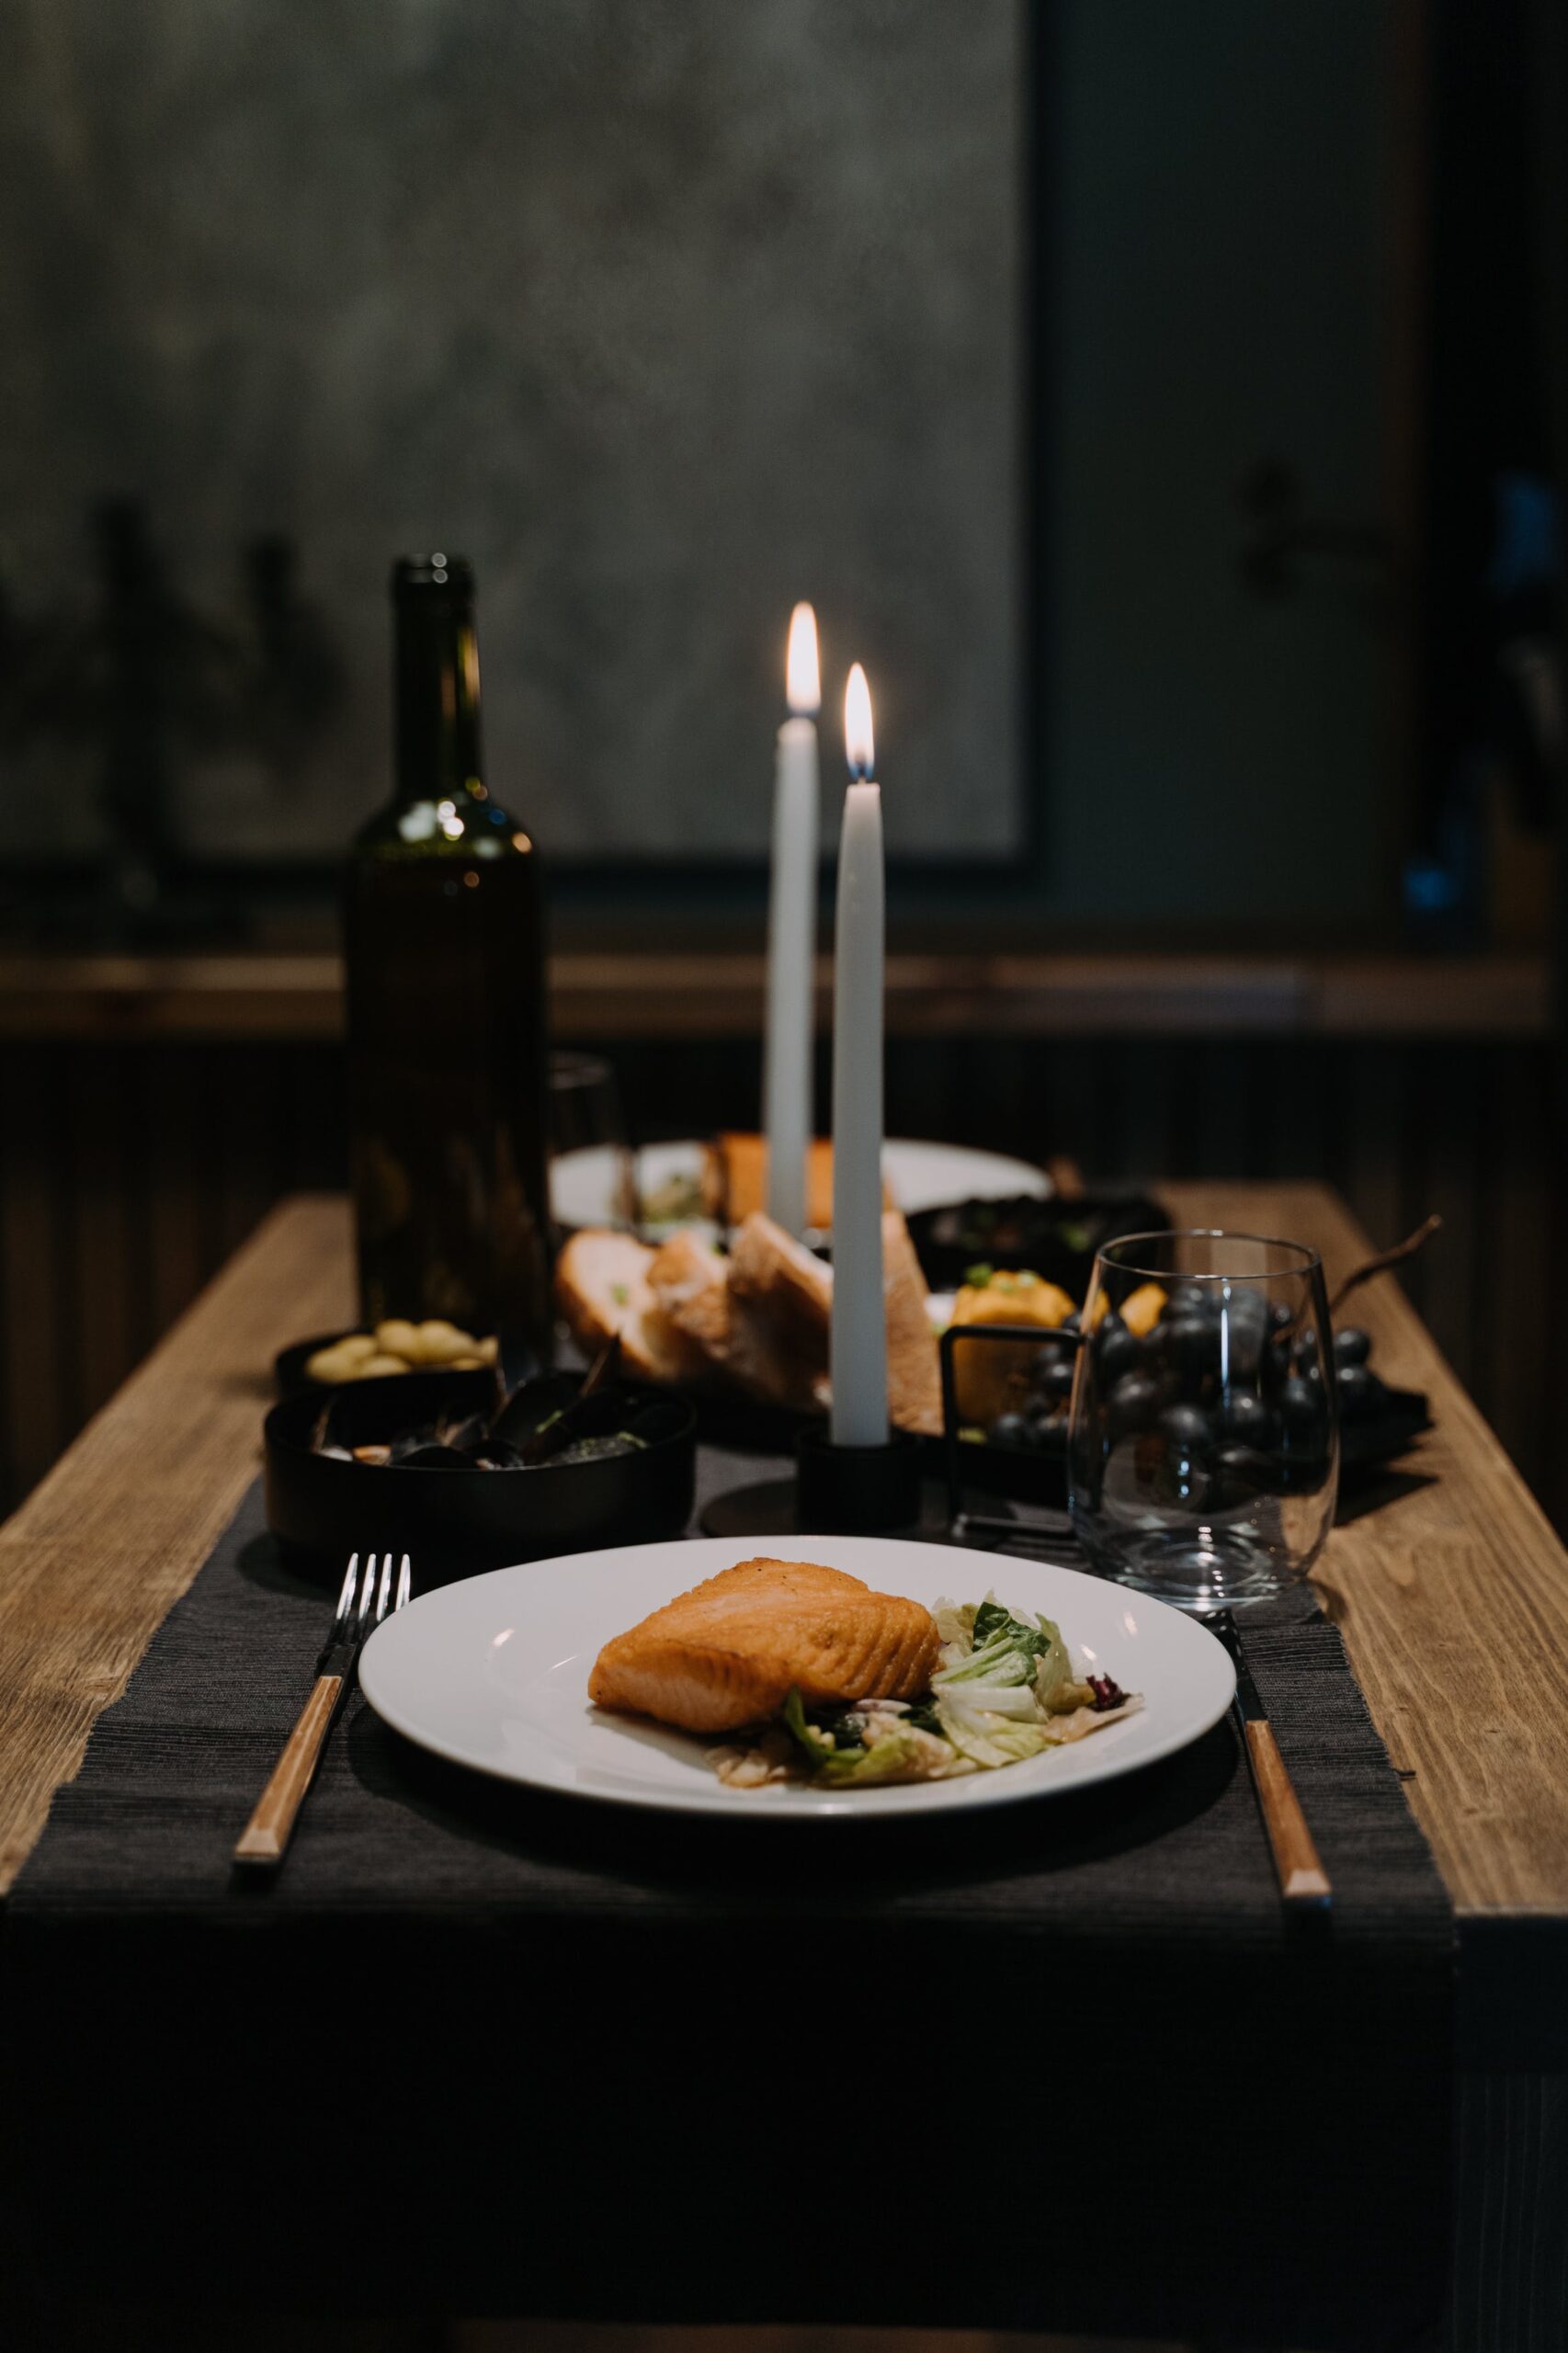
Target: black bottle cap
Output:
[(429, 574)]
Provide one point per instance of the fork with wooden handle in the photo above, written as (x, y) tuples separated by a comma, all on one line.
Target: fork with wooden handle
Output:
[(1304, 1885), (361, 1606)]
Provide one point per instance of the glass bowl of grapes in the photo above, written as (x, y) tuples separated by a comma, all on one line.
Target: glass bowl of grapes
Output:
[(1203, 1429)]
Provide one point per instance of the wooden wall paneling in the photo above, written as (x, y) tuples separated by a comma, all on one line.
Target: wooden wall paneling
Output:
[(181, 1251), (1373, 1087), (37, 1379), (1153, 1079), (1223, 1088), (107, 1309), (315, 1140), (1443, 1168), (1293, 1108), (1520, 1264), (251, 1135), (1072, 1110)]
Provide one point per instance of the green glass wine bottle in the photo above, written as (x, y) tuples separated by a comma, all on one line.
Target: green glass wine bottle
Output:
[(448, 1016)]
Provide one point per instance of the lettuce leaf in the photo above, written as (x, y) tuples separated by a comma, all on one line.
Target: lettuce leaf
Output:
[(991, 1740), (819, 1746), (893, 1754)]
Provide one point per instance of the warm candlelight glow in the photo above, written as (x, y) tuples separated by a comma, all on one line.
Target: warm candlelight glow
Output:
[(802, 677), (859, 747)]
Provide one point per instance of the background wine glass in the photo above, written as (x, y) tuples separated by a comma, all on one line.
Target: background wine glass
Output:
[(1203, 1439), (585, 1115)]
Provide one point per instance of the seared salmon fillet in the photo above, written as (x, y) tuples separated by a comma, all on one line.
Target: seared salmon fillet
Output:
[(728, 1652)]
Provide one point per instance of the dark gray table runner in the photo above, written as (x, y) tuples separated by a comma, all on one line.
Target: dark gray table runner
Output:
[(1061, 2067)]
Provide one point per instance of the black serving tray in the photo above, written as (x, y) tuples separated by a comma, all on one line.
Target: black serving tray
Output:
[(1029, 1476), (1055, 1238), (457, 1522)]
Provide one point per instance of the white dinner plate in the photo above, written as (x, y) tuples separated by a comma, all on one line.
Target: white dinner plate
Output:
[(492, 1673), (920, 1175)]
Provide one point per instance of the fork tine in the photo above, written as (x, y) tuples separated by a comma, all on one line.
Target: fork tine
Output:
[(405, 1583), (383, 1595), (367, 1596), (346, 1598)]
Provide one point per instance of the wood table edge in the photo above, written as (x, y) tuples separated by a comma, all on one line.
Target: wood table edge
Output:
[(94, 1559)]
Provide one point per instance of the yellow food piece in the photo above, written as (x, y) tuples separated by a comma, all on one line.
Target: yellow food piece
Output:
[(330, 1364), (1142, 1310), (438, 1342), (397, 1337), (989, 1376), (372, 1368), (1021, 1297), (465, 1364), (488, 1351), (358, 1347)]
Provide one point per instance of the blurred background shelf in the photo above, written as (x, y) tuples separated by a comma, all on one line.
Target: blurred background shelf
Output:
[(660, 993)]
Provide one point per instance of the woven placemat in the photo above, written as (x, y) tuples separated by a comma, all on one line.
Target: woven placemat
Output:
[(1064, 2066)]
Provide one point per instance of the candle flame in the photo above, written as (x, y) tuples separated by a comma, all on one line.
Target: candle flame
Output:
[(802, 675), (859, 748)]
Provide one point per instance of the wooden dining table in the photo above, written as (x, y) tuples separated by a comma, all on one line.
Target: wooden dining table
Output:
[(1451, 1596)]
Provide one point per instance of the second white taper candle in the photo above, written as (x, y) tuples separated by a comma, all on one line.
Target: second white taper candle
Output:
[(859, 1346)]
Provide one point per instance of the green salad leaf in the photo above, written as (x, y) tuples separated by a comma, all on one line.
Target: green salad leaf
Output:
[(818, 1744)]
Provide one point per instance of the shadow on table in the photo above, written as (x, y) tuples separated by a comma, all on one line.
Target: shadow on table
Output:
[(1025, 1839)]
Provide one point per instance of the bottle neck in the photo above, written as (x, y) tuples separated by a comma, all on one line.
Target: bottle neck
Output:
[(438, 754)]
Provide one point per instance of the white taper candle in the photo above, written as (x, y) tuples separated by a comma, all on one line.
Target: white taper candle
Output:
[(792, 936), (858, 1347)]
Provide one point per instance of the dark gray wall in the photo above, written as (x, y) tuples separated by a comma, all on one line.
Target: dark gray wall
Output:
[(666, 312), (671, 311)]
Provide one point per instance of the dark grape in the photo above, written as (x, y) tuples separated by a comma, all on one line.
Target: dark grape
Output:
[(1132, 1403), (1188, 1344), (1352, 1346), (1280, 1316), (1056, 1381), (1360, 1391), (1304, 1356), (1187, 1429), (1246, 1311), (1010, 1429), (1117, 1349), (1243, 1415), (1303, 1404), (1187, 1299)]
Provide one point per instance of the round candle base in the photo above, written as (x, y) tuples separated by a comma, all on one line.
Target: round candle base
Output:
[(856, 1490)]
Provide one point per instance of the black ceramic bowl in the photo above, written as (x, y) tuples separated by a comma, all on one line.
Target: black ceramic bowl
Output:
[(1055, 1238), (457, 1522)]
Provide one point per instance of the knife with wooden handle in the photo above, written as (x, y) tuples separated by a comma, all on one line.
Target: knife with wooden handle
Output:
[(1304, 1884)]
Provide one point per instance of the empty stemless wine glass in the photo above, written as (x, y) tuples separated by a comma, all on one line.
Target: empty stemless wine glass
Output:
[(587, 1133), (1203, 1443)]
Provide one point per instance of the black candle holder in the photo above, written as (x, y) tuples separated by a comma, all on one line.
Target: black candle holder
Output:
[(856, 1490), (835, 1491)]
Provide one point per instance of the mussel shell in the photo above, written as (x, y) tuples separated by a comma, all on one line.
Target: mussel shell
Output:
[(495, 1454), (468, 1435), (520, 1415), (661, 1419), (433, 1457)]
